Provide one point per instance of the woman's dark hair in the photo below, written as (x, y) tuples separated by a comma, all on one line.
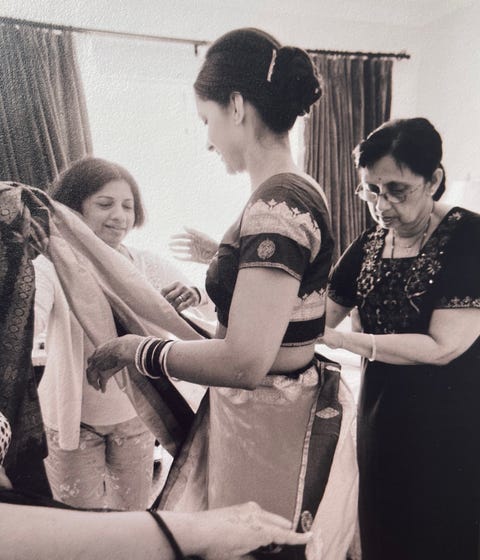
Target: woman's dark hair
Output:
[(280, 82), (413, 143), (86, 177)]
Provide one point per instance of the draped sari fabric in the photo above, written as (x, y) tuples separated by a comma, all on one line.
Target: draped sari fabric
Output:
[(99, 283), (18, 391)]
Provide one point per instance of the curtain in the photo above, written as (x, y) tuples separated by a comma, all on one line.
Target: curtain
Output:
[(356, 99), (43, 117)]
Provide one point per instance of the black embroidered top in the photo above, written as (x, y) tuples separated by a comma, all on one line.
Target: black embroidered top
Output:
[(399, 295), (284, 225)]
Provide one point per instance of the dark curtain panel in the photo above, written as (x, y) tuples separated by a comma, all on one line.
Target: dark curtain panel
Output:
[(43, 117), (356, 99)]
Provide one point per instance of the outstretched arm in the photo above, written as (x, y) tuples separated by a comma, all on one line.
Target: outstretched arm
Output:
[(261, 308), (451, 333), (39, 533)]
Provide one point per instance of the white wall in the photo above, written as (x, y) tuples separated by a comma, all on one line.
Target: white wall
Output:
[(449, 88), (305, 23), (440, 81)]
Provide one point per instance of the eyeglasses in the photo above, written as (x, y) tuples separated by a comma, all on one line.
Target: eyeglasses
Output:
[(371, 193)]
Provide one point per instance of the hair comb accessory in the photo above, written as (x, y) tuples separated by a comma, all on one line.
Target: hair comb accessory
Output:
[(272, 65)]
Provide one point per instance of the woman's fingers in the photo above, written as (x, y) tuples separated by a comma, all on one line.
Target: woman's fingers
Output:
[(291, 537), (271, 528), (180, 242), (193, 245), (100, 367), (180, 296), (110, 357)]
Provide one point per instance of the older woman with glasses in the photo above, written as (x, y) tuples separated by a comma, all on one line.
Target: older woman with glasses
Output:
[(415, 280)]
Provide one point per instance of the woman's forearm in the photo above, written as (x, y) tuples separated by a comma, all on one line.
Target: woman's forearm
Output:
[(38, 533), (397, 349), (41, 533), (214, 363)]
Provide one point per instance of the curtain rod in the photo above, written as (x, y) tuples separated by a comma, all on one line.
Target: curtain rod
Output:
[(55, 27), (194, 42), (401, 54)]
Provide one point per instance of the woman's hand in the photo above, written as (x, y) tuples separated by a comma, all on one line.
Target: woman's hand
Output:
[(331, 338), (110, 357), (193, 246), (243, 528), (181, 296)]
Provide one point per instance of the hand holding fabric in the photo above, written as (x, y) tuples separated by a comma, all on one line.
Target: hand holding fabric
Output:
[(110, 357), (243, 528)]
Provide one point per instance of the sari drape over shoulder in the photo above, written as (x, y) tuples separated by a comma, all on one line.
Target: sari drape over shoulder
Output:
[(101, 286)]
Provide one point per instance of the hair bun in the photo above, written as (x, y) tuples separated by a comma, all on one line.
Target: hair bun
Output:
[(294, 80)]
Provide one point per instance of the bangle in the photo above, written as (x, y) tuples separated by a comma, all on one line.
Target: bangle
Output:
[(373, 355), (168, 534), (139, 352), (153, 362), (151, 357), (147, 357), (163, 356)]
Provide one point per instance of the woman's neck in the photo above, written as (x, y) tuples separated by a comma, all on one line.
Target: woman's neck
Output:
[(266, 159), (416, 229)]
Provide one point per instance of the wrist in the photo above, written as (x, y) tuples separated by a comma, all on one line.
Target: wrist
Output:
[(373, 352), (186, 530)]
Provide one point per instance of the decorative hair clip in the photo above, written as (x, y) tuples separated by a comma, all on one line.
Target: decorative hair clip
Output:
[(272, 65)]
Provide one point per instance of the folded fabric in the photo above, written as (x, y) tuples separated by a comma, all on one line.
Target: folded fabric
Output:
[(100, 283)]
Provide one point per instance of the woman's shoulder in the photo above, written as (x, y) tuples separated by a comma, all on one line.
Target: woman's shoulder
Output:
[(463, 224), (295, 193), (290, 184)]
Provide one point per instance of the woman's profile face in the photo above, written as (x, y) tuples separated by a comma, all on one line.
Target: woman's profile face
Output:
[(110, 212), (223, 134)]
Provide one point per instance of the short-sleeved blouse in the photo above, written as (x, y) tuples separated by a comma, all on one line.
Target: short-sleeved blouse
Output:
[(400, 295), (285, 225)]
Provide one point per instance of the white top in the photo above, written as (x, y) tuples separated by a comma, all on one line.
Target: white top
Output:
[(65, 395)]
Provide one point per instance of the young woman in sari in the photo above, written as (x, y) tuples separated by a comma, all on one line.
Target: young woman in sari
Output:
[(278, 423)]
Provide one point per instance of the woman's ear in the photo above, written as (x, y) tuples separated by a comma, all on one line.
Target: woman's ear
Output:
[(238, 106), (436, 180)]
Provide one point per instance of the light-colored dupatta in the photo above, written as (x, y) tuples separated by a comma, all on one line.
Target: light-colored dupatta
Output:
[(99, 282)]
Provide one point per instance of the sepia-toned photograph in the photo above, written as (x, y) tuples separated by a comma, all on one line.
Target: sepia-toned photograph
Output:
[(240, 280)]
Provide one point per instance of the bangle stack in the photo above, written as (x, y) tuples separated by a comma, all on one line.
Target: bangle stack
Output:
[(373, 355), (151, 357)]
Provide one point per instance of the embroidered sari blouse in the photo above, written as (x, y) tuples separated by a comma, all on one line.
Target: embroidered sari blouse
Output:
[(285, 225), (400, 295)]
